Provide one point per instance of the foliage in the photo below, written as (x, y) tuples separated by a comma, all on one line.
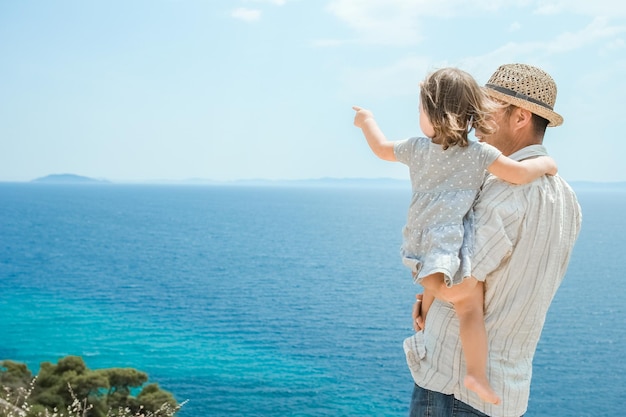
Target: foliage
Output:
[(56, 390), (14, 375)]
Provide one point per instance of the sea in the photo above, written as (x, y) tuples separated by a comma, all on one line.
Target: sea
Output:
[(275, 300)]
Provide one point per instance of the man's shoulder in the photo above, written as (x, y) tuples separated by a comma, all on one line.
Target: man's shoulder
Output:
[(566, 187), (556, 183), (497, 193)]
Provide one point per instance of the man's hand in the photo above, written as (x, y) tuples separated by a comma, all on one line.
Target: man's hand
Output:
[(418, 320)]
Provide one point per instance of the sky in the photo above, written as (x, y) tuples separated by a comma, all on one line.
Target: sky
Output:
[(145, 90)]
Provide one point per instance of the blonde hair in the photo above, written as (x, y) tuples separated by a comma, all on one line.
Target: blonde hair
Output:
[(455, 103)]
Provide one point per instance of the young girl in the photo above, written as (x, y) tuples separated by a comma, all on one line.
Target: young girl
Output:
[(446, 171)]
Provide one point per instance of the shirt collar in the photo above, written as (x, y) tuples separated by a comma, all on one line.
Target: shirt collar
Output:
[(529, 152)]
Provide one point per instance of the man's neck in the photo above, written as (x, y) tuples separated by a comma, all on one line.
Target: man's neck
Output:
[(519, 141)]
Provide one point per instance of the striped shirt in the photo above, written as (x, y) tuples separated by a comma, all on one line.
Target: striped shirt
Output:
[(524, 236)]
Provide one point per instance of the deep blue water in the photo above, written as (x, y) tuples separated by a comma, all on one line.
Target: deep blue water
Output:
[(273, 301)]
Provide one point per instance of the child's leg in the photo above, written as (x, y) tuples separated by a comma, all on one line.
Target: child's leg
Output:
[(468, 299), (469, 309)]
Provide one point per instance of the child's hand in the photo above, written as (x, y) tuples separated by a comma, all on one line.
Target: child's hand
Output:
[(378, 143), (552, 168), (361, 116), (550, 165)]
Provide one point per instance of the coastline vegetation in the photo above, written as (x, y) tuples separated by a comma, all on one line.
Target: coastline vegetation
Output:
[(70, 389)]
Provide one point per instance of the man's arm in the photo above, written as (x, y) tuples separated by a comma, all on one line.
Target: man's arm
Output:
[(437, 289), (420, 309), (435, 286)]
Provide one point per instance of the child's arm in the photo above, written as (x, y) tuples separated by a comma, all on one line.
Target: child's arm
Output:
[(522, 172), (382, 148)]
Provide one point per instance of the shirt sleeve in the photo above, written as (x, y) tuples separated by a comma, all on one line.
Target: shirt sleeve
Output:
[(489, 154), (404, 149), (496, 222)]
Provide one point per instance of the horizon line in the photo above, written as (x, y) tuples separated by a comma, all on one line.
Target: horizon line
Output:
[(68, 178)]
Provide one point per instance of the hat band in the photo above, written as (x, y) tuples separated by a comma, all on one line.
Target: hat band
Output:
[(515, 94)]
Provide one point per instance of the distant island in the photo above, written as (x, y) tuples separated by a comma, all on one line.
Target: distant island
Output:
[(312, 182), (68, 179)]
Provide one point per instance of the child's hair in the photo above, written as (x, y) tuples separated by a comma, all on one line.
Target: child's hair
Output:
[(455, 103)]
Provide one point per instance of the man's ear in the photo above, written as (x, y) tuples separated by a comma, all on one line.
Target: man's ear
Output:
[(522, 117)]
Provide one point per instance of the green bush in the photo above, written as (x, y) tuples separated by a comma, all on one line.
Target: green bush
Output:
[(71, 389)]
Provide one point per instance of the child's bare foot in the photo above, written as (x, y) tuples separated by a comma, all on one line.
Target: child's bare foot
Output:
[(482, 388)]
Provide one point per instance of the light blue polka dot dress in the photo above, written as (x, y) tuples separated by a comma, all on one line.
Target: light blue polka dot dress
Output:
[(438, 235)]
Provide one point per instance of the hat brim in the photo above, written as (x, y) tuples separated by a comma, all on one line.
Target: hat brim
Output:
[(553, 118)]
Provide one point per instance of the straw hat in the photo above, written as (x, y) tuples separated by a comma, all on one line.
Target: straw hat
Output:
[(527, 87)]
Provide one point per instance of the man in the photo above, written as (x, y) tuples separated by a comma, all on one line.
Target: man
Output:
[(523, 239)]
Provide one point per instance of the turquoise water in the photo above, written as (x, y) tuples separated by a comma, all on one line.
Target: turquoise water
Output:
[(272, 301)]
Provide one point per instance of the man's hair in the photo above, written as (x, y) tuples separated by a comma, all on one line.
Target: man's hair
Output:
[(454, 103), (539, 125)]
